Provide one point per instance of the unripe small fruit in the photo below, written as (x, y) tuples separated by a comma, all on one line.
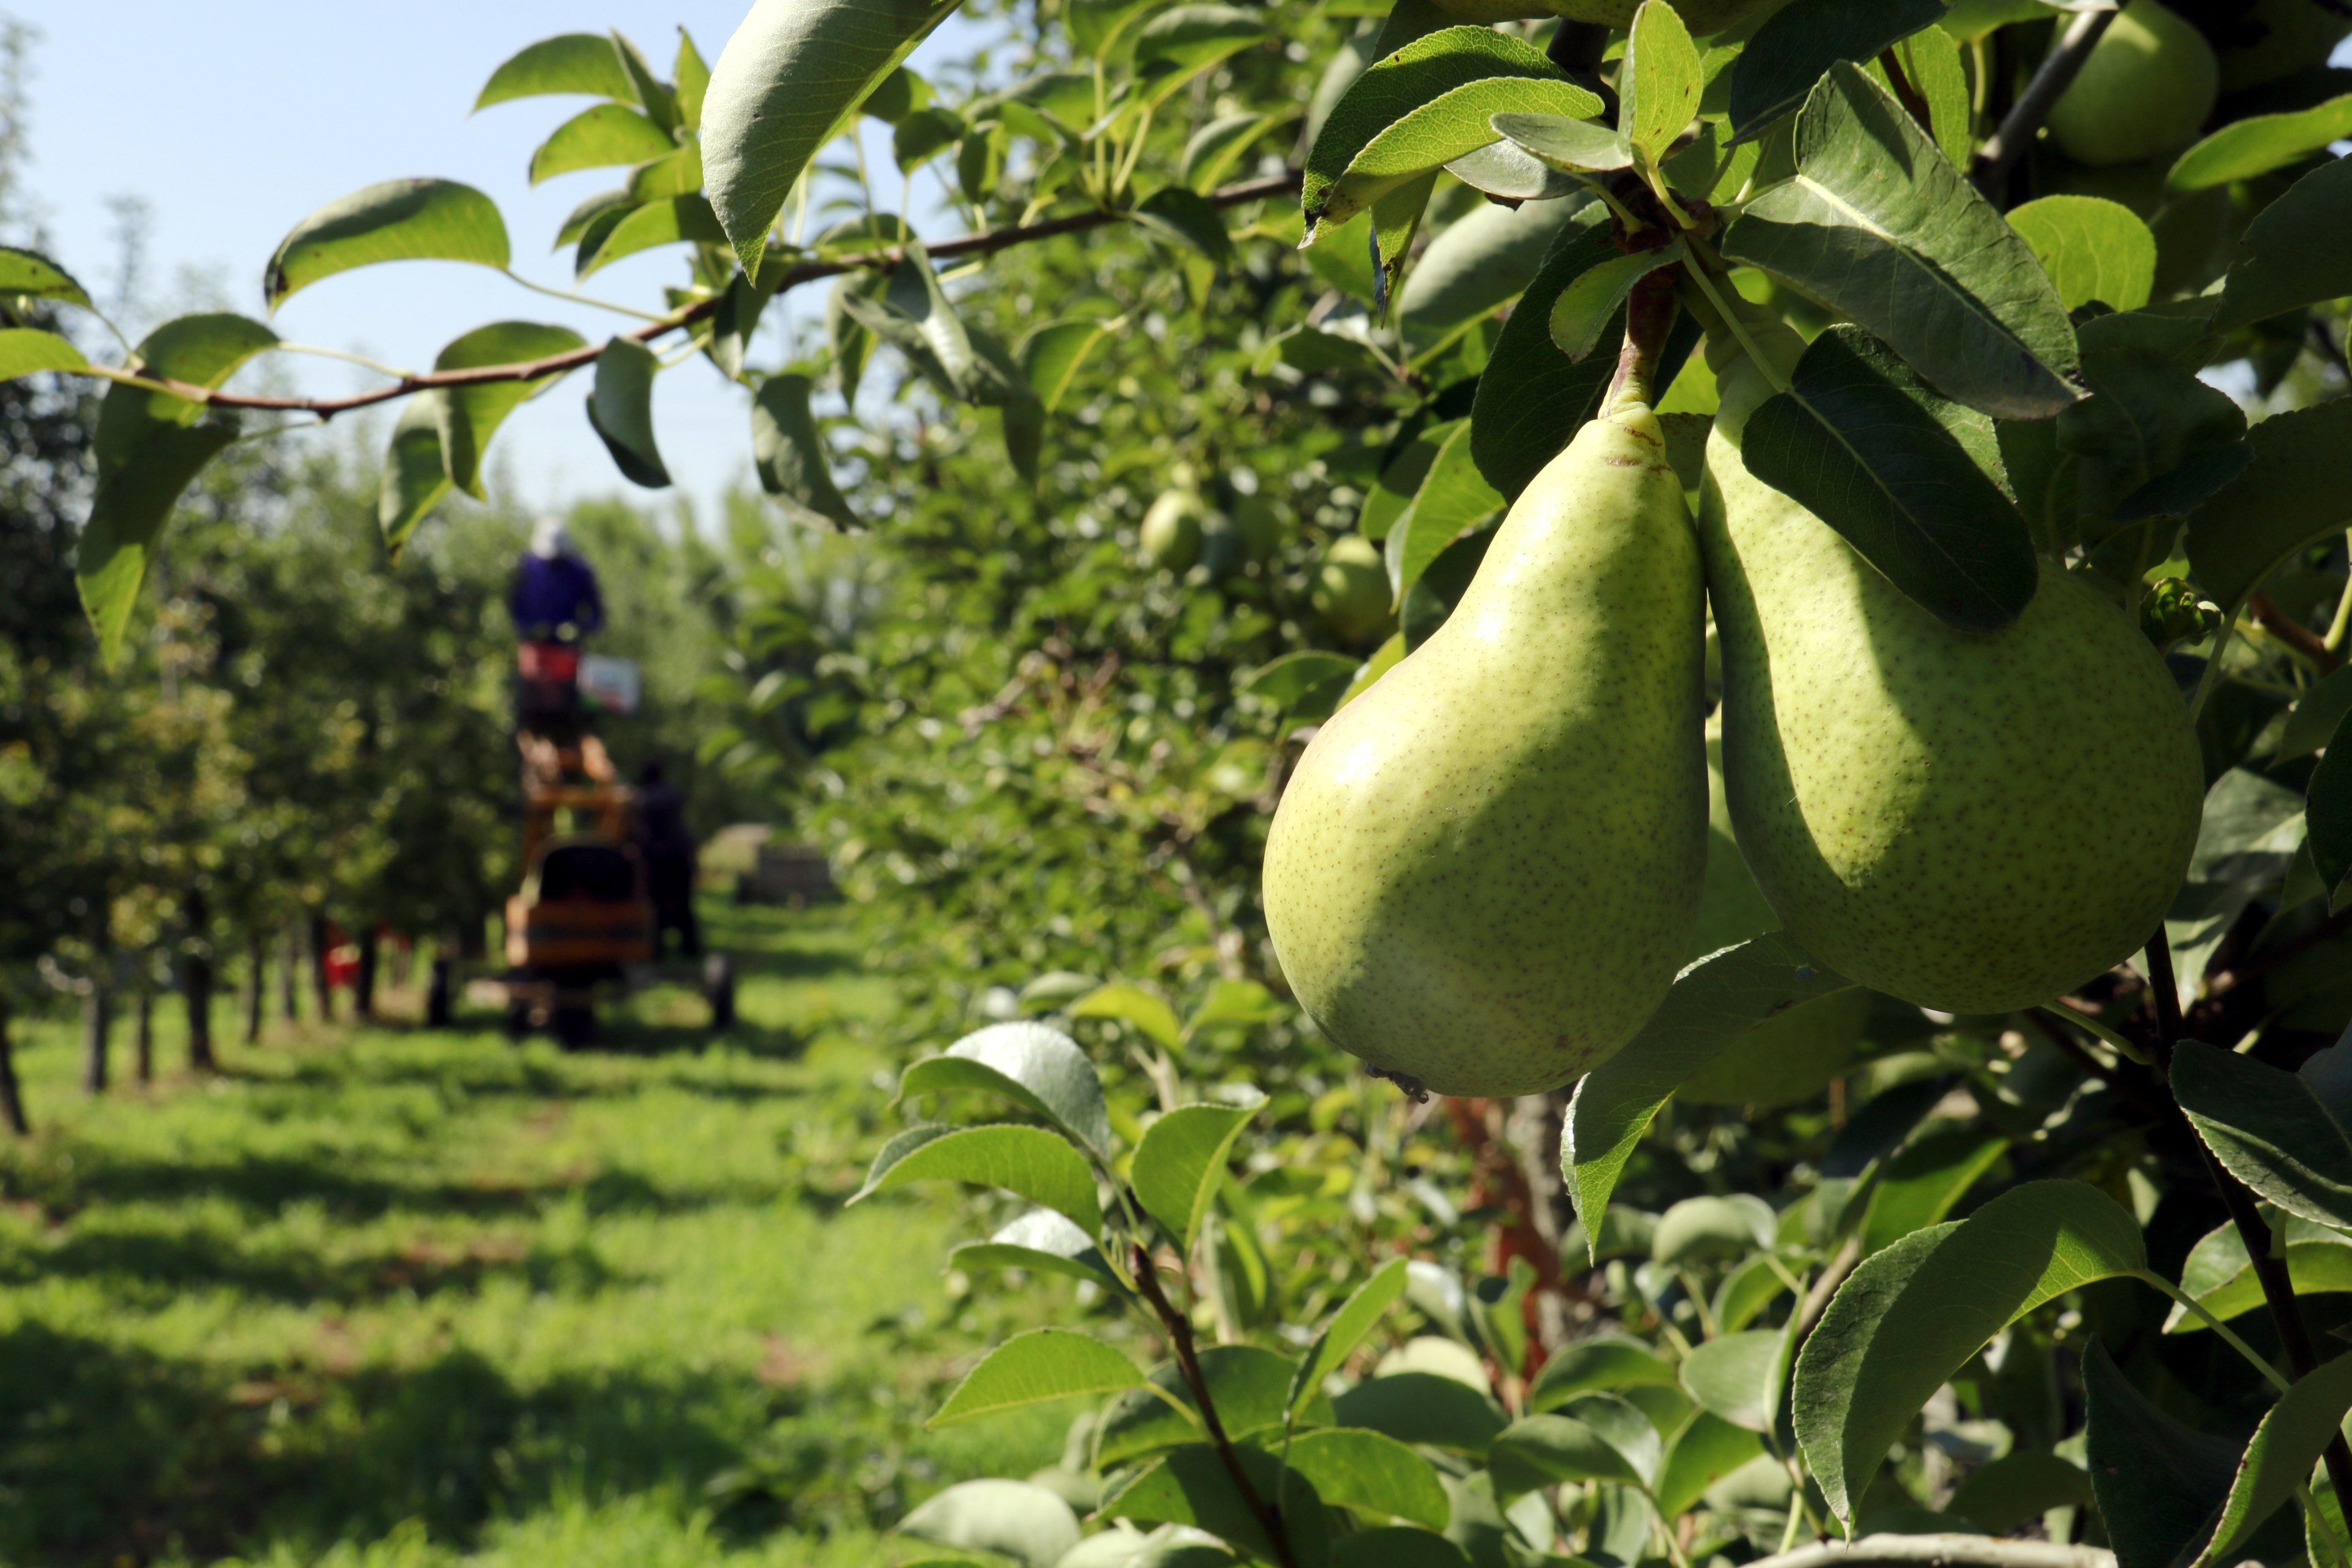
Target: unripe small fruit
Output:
[(1351, 590), (1170, 534), (2145, 89)]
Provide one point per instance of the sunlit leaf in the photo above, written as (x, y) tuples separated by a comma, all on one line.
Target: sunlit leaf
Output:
[(1031, 1368), (568, 63), (398, 220)]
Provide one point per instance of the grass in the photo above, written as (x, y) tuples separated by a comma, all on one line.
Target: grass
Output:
[(397, 1297)]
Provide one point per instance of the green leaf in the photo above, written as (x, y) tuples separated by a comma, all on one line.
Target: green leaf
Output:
[(1184, 216), (1902, 473), (1712, 1003), (732, 327), (1031, 1368), (1043, 1243), (1391, 90), (1733, 1377), (1182, 41), (681, 219), (2092, 248), (2292, 495), (31, 273), (1591, 1439), (1601, 1364), (1798, 44), (789, 80), (1051, 356), (691, 74), (2221, 1278), (1746, 1292), (921, 133), (1396, 1546), (2147, 420), (1476, 264), (1373, 1473), (1434, 133), (1707, 1229), (570, 62), (2251, 829), (1035, 1066), (2315, 715), (915, 315), (1919, 1185), (652, 94), (147, 448), (621, 410), (1243, 1002), (1192, 1486), (1422, 1408), (2160, 1484), (1566, 142), (606, 208), (1131, 1004), (28, 350), (2018, 1489), (1912, 1315), (677, 172), (2270, 1127), (598, 138), (2281, 1454), (1705, 1450), (1180, 1162), (1248, 1384), (1030, 1160), (398, 220), (2328, 809), (1592, 297), (1213, 151), (1508, 172), (2261, 142), (1931, 58), (1346, 1331), (1859, 1151), (1026, 1522), (415, 469), (1658, 83), (1877, 224), (470, 415), (789, 455), (1290, 681), (1453, 499), (2294, 249)]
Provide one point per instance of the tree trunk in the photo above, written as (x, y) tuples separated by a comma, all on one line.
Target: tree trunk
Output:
[(290, 967), (94, 1021), (403, 957), (364, 982), (196, 980), (12, 1103), (320, 991), (256, 984), (142, 1034)]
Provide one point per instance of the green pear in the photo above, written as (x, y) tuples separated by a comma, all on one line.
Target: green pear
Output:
[(2145, 89), (1351, 589), (1973, 822), (1482, 875), (1171, 535)]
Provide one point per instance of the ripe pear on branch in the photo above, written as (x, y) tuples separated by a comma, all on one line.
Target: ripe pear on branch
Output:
[(1970, 821), (1481, 877)]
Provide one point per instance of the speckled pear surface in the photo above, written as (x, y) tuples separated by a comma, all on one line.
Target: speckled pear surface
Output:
[(1483, 872), (1972, 822)]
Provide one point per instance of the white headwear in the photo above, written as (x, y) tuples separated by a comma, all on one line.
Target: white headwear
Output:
[(550, 538)]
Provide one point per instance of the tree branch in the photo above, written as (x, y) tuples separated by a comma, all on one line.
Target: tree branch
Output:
[(2055, 75), (1936, 1551), (1179, 1329), (982, 244), (2295, 633)]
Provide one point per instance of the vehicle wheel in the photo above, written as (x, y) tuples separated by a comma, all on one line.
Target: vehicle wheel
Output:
[(718, 989), (573, 1023)]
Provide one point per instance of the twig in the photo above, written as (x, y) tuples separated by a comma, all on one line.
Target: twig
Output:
[(1932, 1550), (2051, 78), (2164, 993), (1817, 1299), (1179, 1329), (982, 244), (2295, 633), (1912, 99)]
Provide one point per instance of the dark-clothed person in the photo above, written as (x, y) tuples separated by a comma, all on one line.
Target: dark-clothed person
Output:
[(670, 854)]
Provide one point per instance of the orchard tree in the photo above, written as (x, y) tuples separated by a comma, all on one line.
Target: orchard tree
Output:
[(1958, 1142)]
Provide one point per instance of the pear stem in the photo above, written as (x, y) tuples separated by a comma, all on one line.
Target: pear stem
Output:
[(1649, 317)]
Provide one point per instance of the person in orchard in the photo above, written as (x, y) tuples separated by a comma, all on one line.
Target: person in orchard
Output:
[(556, 605)]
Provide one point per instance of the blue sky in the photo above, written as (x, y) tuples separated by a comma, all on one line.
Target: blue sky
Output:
[(234, 118)]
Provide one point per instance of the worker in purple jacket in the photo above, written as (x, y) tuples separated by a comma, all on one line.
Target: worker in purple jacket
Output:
[(555, 604)]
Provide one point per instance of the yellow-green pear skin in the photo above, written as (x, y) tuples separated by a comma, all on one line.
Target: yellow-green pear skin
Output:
[(2145, 89), (1973, 822), (1483, 872)]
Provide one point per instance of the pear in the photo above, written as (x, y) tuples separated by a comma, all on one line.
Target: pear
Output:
[(1171, 530), (1973, 822), (2145, 89), (1482, 875), (1351, 589)]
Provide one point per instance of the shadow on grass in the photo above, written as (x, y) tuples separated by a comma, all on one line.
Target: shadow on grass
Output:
[(109, 1454)]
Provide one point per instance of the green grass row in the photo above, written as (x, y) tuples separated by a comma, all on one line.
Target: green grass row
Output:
[(397, 1297)]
